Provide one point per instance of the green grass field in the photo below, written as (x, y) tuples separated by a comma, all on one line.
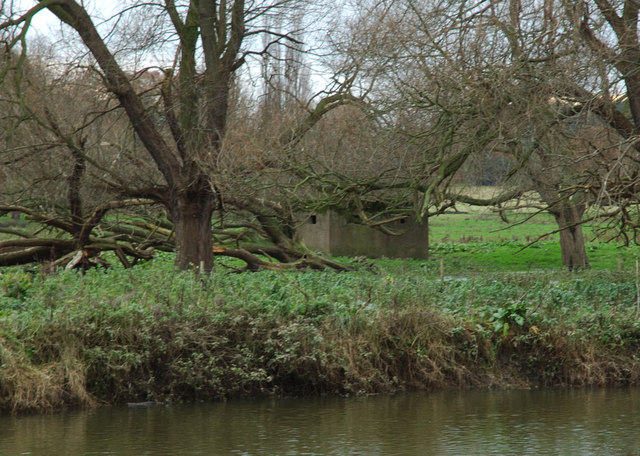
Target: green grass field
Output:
[(478, 240), (486, 226)]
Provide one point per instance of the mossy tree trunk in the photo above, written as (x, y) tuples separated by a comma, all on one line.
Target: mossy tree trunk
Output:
[(572, 246), (192, 221)]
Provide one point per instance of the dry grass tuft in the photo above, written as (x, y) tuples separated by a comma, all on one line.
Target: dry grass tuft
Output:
[(25, 387)]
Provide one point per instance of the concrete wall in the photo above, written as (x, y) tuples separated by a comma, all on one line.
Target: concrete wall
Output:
[(330, 233), (315, 232)]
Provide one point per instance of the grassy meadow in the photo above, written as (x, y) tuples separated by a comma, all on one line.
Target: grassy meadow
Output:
[(500, 317), (476, 240)]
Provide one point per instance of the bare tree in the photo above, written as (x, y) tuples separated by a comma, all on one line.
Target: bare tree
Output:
[(493, 78), (182, 120), (50, 148), (608, 32)]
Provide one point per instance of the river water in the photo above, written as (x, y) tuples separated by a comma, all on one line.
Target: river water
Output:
[(552, 422)]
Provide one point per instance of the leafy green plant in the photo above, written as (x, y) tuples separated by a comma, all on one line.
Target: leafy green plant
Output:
[(503, 319), (153, 332), (15, 283)]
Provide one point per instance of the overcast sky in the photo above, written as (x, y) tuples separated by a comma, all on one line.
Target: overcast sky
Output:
[(45, 22)]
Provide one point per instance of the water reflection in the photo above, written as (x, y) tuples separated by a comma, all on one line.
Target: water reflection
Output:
[(592, 422)]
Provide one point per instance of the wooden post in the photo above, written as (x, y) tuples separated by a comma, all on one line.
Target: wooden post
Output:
[(637, 287)]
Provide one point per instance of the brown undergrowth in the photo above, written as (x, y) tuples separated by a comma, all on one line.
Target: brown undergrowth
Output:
[(172, 356), (26, 386), (156, 334)]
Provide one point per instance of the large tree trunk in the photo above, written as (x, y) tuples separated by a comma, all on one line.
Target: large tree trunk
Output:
[(574, 253), (192, 220)]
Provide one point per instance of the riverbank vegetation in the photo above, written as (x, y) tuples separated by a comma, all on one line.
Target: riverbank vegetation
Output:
[(152, 333), (219, 129), (158, 171)]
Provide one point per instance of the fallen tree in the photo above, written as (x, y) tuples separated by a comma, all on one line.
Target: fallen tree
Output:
[(261, 245)]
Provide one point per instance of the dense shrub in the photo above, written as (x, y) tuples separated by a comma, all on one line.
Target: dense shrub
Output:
[(154, 333)]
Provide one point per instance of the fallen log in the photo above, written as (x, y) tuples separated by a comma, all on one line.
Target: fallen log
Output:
[(36, 254)]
